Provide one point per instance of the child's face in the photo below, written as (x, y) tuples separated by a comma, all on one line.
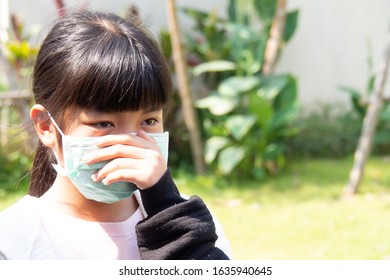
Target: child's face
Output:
[(138, 157), (90, 123)]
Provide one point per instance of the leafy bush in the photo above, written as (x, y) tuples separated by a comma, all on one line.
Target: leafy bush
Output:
[(381, 140), (360, 101), (247, 116), (325, 133), (14, 172), (19, 52), (246, 131)]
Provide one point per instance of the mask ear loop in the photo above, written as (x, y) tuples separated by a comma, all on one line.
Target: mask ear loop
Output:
[(60, 170), (55, 124)]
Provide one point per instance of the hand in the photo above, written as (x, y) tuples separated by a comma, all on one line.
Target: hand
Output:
[(133, 158)]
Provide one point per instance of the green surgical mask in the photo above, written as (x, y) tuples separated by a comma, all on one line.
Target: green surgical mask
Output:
[(74, 148)]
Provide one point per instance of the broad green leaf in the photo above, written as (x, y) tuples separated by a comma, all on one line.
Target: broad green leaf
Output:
[(272, 151), (229, 158), (217, 105), (288, 95), (286, 116), (214, 66), (265, 9), (260, 48), (165, 43), (234, 86), (271, 86), (240, 33), (213, 146), (232, 10), (241, 38), (201, 18), (240, 125), (356, 96), (210, 30), (254, 68), (260, 107), (290, 25)]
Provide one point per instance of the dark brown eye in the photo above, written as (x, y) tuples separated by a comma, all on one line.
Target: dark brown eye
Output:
[(151, 121), (103, 125)]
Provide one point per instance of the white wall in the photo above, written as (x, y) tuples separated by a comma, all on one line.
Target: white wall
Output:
[(329, 48), (153, 12)]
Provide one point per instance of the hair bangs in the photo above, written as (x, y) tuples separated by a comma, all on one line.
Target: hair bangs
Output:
[(122, 76), (108, 70)]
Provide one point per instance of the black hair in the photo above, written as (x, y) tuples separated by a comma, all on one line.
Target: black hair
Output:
[(95, 60)]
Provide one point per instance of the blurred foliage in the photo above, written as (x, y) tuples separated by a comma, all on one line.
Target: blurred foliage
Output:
[(360, 101), (14, 172), (325, 132), (179, 146), (18, 51), (247, 116), (330, 131), (15, 160)]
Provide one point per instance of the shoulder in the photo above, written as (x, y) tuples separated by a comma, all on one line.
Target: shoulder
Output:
[(25, 205), (18, 223), (18, 210)]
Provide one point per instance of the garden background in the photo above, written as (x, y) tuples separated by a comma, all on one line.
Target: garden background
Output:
[(277, 91)]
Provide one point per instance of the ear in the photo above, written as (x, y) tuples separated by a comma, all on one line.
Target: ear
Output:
[(43, 126)]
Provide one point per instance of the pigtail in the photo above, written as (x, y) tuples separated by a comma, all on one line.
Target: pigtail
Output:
[(42, 173)]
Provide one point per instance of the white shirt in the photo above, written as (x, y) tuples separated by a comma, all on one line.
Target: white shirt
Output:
[(29, 231), (91, 240)]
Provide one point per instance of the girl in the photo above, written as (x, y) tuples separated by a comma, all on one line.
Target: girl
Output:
[(100, 187)]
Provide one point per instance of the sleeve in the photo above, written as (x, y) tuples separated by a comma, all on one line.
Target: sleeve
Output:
[(175, 228)]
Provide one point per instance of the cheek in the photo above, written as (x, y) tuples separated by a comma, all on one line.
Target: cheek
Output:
[(60, 155), (158, 128), (58, 149)]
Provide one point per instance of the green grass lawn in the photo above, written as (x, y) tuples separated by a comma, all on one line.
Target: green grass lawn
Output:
[(301, 214)]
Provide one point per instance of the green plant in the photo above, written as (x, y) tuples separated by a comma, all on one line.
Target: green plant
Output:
[(360, 101), (14, 172), (326, 132), (18, 50), (248, 116)]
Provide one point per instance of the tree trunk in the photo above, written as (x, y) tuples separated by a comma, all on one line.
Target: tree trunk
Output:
[(369, 124), (276, 34), (189, 115)]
